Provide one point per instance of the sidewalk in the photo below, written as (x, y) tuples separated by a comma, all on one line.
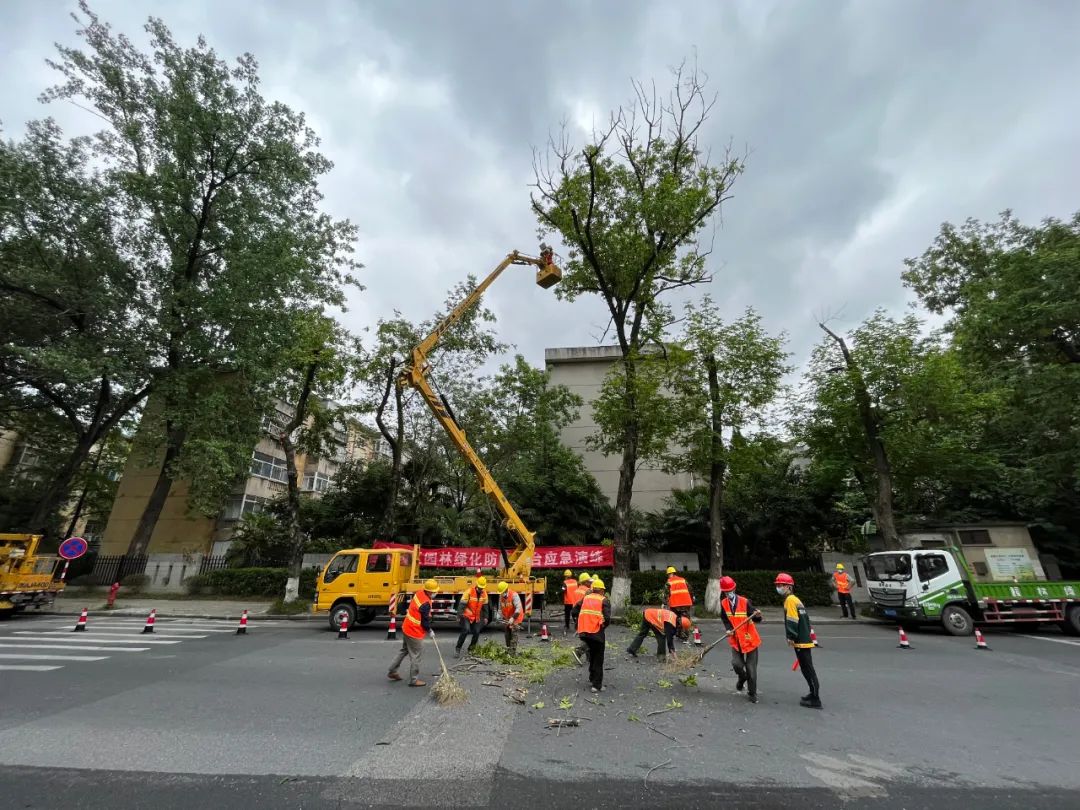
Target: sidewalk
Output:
[(168, 608), (818, 615)]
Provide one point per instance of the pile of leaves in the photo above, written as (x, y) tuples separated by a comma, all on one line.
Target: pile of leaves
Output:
[(532, 664)]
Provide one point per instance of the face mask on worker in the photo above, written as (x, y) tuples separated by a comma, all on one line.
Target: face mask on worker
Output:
[(780, 589)]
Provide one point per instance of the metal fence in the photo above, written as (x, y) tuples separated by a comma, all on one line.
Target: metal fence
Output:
[(213, 563), (109, 568)]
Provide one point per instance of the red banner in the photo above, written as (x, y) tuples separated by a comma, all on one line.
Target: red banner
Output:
[(543, 557)]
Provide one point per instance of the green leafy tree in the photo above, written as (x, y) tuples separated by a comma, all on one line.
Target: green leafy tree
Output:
[(630, 207), (219, 200), (730, 373)]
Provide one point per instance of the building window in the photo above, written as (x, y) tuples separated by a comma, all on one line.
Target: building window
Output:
[(266, 466), (974, 537), (317, 482), (240, 505), (980, 568)]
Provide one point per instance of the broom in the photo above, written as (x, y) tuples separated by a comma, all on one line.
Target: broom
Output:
[(724, 637), (447, 691)]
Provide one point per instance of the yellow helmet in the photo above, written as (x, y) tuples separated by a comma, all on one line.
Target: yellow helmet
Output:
[(567, 573), (583, 578), (839, 566), (503, 587), (598, 584), (670, 569), (481, 582), (431, 586)]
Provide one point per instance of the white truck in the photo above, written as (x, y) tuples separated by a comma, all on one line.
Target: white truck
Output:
[(936, 585)]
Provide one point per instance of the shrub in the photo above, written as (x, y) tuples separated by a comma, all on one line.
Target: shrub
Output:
[(135, 583), (249, 582)]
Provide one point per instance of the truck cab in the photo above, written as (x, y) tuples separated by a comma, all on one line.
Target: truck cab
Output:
[(914, 586), (26, 577)]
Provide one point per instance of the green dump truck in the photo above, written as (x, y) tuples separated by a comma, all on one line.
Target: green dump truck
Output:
[(936, 585)]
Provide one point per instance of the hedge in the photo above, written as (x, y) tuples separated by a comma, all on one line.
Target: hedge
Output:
[(249, 582)]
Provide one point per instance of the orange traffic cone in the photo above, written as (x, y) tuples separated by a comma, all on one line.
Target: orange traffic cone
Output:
[(343, 628), (813, 636), (150, 621), (697, 636), (242, 629), (903, 645), (391, 631), (80, 625), (980, 642), (544, 633)]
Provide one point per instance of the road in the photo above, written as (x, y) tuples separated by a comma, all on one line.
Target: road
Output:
[(289, 716)]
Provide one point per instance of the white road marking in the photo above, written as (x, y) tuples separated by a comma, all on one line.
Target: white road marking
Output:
[(1053, 640), (109, 634), (30, 657), (77, 648), (25, 635), (27, 667)]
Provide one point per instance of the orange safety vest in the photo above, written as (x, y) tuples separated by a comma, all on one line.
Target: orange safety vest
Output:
[(746, 638), (475, 599), (506, 606), (678, 592), (843, 584), (658, 617), (591, 616), (412, 626), (582, 592), (570, 595)]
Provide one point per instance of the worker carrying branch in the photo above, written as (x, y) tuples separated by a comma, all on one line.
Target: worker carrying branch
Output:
[(663, 624), (739, 617)]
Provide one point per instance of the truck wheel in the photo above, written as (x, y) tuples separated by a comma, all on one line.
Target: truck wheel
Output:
[(957, 621), (342, 610), (1071, 625), (364, 616)]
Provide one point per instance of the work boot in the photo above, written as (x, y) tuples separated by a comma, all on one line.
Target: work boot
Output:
[(742, 683), (418, 682), (628, 650), (753, 698), (457, 652), (393, 676), (811, 703)]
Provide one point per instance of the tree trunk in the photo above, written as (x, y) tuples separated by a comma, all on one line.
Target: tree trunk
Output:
[(619, 593), (716, 490), (57, 490), (388, 521), (140, 541), (292, 477)]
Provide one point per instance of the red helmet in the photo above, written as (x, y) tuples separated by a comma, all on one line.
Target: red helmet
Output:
[(784, 579), (727, 584)]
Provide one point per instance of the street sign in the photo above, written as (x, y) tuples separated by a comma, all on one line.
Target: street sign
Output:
[(73, 548)]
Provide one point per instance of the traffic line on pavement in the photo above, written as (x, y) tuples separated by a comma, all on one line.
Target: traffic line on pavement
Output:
[(28, 636), (1052, 640), (29, 667), (74, 647), (108, 634), (32, 657)]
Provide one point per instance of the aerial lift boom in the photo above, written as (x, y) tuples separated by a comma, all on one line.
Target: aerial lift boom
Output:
[(519, 561)]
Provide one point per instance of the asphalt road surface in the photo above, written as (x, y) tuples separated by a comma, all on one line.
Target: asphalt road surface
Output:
[(288, 716)]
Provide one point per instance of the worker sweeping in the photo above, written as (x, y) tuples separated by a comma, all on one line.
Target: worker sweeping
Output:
[(677, 594), (570, 589), (417, 624), (739, 617), (663, 624), (581, 652), (797, 629), (593, 613), (471, 610), (842, 583), (512, 613)]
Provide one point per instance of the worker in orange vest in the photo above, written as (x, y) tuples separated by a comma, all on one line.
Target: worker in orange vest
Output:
[(417, 624), (663, 624), (739, 618), (569, 596), (593, 613), (843, 591), (677, 593), (471, 608), (512, 613), (584, 588)]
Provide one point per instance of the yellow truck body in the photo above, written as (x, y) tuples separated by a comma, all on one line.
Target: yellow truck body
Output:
[(358, 584), (27, 579)]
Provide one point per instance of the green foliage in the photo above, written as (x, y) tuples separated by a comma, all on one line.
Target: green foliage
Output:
[(135, 584), (293, 608), (664, 683), (260, 540), (261, 582)]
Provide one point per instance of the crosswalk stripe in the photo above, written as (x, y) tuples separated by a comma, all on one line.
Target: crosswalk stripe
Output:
[(75, 647), (28, 667), (31, 657), (108, 634), (28, 636)]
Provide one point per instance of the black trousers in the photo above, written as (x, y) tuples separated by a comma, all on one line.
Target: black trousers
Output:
[(566, 612), (745, 666), (646, 628), (806, 664), (469, 628), (846, 603), (596, 644)]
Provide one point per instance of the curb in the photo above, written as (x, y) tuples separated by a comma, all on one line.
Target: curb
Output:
[(130, 613)]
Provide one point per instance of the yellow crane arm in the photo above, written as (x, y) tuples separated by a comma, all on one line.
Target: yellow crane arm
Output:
[(415, 376)]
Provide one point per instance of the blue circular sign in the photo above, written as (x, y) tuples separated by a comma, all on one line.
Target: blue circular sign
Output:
[(73, 548)]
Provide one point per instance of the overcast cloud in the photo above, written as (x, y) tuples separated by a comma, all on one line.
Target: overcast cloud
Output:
[(868, 124)]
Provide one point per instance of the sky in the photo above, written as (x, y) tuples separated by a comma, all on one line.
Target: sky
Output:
[(867, 125)]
